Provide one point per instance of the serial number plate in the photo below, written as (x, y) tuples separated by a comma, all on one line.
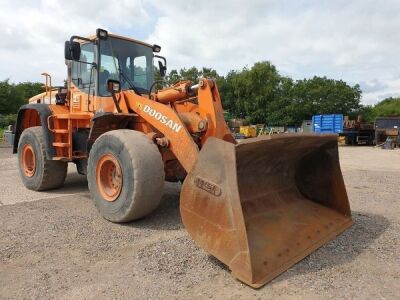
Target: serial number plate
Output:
[(210, 187)]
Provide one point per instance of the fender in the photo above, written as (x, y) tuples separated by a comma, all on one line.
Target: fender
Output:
[(44, 112), (106, 121)]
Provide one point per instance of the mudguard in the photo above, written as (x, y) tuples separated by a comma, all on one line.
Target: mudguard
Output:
[(44, 112)]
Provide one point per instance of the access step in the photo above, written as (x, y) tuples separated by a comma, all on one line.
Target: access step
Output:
[(73, 116), (60, 130), (58, 144)]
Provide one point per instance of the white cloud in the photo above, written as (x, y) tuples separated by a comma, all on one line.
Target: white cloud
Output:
[(33, 33), (352, 40), (356, 41)]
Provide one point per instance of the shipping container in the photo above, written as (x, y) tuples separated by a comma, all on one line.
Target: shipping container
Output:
[(328, 123)]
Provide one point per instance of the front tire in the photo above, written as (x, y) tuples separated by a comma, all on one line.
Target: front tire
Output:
[(37, 172), (125, 175)]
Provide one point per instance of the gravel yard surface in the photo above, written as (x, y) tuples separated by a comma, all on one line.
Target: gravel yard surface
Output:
[(55, 245)]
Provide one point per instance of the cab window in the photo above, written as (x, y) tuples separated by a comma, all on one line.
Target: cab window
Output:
[(129, 62), (108, 70), (83, 74), (137, 70)]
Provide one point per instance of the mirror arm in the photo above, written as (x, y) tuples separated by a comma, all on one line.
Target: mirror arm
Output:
[(94, 65), (163, 58), (79, 38)]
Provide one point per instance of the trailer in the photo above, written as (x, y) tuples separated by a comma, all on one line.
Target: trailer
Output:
[(357, 132)]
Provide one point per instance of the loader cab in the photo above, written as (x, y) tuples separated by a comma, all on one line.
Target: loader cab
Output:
[(83, 71), (129, 62), (93, 61)]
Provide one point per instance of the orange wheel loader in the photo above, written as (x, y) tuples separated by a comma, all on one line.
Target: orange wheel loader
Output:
[(258, 206)]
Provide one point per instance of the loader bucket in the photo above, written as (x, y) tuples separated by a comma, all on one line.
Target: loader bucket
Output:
[(264, 204)]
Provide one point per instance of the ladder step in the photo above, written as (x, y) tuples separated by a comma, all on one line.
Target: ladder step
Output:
[(57, 144), (60, 130), (60, 158), (73, 116)]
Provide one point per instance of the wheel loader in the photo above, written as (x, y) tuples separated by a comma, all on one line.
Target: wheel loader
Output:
[(258, 206)]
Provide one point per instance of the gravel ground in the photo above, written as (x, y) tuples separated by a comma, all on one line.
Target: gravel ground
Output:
[(55, 245)]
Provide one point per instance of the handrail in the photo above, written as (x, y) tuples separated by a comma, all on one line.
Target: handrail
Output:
[(48, 85)]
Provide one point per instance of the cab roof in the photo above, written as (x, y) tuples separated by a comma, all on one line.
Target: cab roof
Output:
[(93, 37)]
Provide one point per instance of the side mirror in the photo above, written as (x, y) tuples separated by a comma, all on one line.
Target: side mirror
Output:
[(113, 86), (72, 50), (162, 68)]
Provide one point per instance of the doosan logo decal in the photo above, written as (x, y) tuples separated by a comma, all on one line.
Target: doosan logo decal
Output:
[(163, 119)]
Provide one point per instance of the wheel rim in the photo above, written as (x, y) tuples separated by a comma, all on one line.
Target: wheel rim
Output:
[(28, 160), (109, 177)]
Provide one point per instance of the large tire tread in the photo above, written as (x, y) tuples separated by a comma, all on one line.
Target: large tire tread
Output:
[(148, 175), (52, 173)]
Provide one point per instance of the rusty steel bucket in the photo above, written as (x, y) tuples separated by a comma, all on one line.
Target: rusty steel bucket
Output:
[(264, 204)]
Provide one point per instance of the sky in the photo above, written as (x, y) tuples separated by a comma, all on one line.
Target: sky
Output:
[(356, 41)]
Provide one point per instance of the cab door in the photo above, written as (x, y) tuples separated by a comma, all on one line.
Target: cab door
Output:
[(84, 80)]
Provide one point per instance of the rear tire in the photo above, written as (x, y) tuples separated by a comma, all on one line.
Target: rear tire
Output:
[(125, 175), (37, 172)]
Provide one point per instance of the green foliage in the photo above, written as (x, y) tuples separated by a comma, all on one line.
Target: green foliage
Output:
[(254, 93), (367, 113), (12, 96), (320, 95), (6, 120), (192, 74), (261, 95), (161, 81), (389, 107)]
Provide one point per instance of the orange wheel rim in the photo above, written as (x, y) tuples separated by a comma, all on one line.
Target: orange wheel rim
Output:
[(28, 160), (109, 177)]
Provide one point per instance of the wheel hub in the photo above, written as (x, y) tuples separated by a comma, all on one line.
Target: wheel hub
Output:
[(109, 177), (28, 160)]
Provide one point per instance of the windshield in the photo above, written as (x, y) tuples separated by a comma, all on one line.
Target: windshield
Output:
[(134, 61)]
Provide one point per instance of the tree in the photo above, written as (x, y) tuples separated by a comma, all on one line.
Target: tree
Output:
[(12, 96), (389, 107), (320, 95), (191, 74), (7, 97), (29, 89), (367, 113), (173, 77), (259, 94)]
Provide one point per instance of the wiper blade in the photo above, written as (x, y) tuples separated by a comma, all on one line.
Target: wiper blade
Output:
[(121, 73), (131, 85), (126, 78)]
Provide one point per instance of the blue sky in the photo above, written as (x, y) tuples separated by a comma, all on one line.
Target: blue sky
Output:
[(356, 41)]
